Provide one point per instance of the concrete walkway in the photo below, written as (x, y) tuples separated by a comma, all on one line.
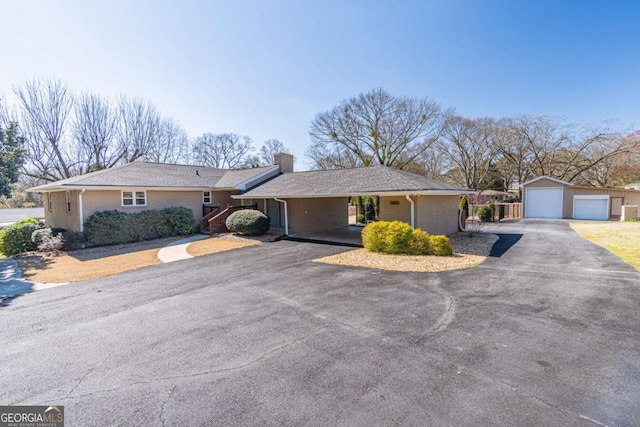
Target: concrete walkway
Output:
[(177, 250)]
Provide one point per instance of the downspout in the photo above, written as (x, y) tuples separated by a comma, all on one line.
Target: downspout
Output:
[(80, 210), (286, 216), (265, 206), (413, 210)]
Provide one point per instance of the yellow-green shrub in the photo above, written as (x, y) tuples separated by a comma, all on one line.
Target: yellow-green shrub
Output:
[(373, 236), (420, 243), (440, 246), (398, 238)]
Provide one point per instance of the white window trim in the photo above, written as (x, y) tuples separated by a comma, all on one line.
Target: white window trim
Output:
[(204, 201), (67, 198), (133, 200)]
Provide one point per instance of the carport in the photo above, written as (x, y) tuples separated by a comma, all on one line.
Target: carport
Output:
[(317, 201)]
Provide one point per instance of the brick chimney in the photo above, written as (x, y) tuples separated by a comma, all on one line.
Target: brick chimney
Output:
[(285, 161)]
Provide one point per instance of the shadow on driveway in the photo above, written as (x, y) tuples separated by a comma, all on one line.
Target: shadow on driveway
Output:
[(507, 240)]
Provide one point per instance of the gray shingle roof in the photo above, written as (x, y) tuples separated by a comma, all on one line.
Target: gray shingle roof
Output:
[(159, 175), (365, 180)]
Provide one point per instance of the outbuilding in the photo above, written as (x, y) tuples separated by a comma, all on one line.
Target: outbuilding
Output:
[(547, 197)]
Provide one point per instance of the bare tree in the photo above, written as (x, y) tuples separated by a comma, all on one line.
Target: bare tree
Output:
[(221, 150), (139, 127), (470, 148), (94, 130), (270, 148), (44, 109), (325, 157), (171, 146), (376, 128)]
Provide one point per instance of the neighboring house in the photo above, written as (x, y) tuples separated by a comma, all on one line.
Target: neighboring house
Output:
[(546, 197), (297, 202), (310, 202), (632, 186)]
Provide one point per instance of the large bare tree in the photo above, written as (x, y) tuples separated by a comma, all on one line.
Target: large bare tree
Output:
[(221, 150), (470, 147), (94, 131), (171, 146), (375, 128), (139, 127), (44, 108), (269, 149)]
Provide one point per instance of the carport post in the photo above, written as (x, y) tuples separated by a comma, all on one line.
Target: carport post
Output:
[(286, 215), (413, 210)]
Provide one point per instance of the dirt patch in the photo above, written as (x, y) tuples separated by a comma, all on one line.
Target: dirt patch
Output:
[(92, 263), (468, 252), (218, 244)]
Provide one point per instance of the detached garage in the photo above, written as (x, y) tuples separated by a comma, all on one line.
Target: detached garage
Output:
[(546, 197)]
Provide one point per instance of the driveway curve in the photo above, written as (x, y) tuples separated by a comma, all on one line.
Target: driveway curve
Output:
[(543, 333)]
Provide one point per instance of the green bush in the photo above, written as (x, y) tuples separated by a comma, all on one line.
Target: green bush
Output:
[(360, 219), (112, 227), (485, 213), (398, 238), (370, 209), (440, 246), (16, 238), (39, 234), (420, 243), (72, 240), (249, 222), (374, 236)]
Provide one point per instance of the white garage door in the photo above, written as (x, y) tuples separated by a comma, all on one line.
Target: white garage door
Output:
[(543, 202), (591, 207)]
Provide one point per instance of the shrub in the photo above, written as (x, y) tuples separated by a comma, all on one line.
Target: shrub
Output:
[(50, 243), (374, 236), (464, 204), (360, 218), (72, 240), (16, 238), (485, 213), (370, 210), (398, 238), (249, 222), (440, 246), (420, 243), (111, 227), (39, 234)]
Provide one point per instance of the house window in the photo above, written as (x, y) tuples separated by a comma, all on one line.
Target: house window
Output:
[(68, 199), (206, 197), (49, 202), (134, 198)]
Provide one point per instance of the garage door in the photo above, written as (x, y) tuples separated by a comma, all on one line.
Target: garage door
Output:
[(543, 202), (591, 207)]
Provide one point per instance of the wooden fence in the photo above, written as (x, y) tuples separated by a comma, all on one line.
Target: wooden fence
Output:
[(501, 211)]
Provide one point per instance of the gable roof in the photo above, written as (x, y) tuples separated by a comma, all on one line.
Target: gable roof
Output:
[(559, 181), (373, 180), (162, 176)]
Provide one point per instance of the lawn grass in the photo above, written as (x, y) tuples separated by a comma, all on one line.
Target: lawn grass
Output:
[(621, 238)]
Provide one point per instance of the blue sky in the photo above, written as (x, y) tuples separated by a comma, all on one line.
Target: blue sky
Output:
[(266, 68)]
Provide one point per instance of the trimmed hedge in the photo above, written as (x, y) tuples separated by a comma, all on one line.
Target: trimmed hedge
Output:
[(249, 222), (16, 238), (398, 237), (112, 227)]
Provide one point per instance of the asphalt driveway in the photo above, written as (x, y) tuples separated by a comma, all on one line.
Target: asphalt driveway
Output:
[(547, 333)]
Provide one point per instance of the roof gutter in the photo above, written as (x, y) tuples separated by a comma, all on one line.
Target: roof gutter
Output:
[(248, 195), (286, 215), (413, 210)]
